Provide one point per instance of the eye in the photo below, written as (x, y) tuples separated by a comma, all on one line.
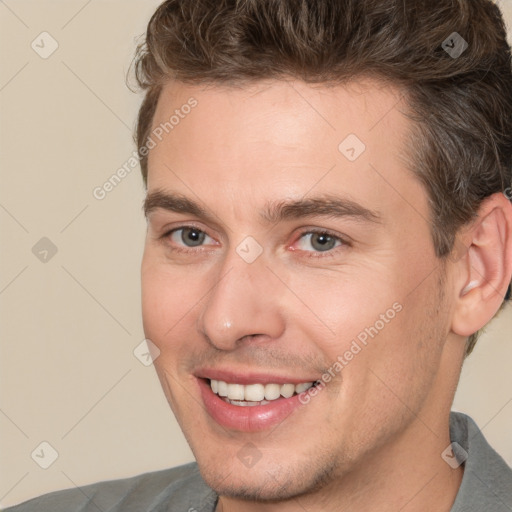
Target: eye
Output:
[(189, 236), (320, 241)]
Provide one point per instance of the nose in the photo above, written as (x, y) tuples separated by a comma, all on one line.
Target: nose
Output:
[(244, 303)]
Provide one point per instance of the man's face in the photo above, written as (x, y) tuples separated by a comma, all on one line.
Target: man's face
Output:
[(307, 257)]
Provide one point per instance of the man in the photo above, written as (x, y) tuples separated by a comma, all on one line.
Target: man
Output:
[(329, 228)]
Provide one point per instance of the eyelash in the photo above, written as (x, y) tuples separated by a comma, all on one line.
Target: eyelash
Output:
[(309, 254)]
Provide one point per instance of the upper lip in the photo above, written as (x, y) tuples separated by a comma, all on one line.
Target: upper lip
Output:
[(249, 376)]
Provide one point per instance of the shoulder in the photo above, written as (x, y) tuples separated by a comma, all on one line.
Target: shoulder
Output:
[(180, 488), (487, 480)]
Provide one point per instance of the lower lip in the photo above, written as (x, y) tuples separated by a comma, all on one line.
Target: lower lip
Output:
[(250, 418)]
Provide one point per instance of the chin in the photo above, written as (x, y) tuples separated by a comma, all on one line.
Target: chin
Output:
[(267, 482)]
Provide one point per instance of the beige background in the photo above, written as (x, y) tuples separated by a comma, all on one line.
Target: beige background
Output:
[(69, 325)]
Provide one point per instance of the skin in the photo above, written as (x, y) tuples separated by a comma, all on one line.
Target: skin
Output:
[(372, 438)]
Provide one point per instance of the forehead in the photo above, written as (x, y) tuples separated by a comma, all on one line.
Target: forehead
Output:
[(277, 138), (282, 111)]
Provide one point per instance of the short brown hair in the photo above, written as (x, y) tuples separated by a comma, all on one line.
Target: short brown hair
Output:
[(461, 105)]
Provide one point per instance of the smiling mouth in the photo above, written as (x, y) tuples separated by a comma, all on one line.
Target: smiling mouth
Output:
[(247, 395)]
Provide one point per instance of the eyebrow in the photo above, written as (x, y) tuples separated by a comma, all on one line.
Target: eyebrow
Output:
[(326, 205)]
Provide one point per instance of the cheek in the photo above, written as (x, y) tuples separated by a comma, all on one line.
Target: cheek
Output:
[(394, 373), (342, 306), (168, 299), (377, 337)]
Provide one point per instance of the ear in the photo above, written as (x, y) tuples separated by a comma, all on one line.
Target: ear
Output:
[(485, 270)]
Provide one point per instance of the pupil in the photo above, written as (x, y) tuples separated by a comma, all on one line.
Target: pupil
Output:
[(322, 242), (192, 237)]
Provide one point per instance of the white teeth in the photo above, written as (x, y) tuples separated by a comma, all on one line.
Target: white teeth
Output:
[(245, 404), (222, 388), (256, 394), (299, 388), (272, 391), (287, 390), (235, 391)]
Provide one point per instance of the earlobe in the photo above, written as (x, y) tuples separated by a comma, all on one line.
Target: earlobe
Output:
[(485, 270)]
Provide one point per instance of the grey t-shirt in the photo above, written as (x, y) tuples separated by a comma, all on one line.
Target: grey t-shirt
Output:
[(486, 485)]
